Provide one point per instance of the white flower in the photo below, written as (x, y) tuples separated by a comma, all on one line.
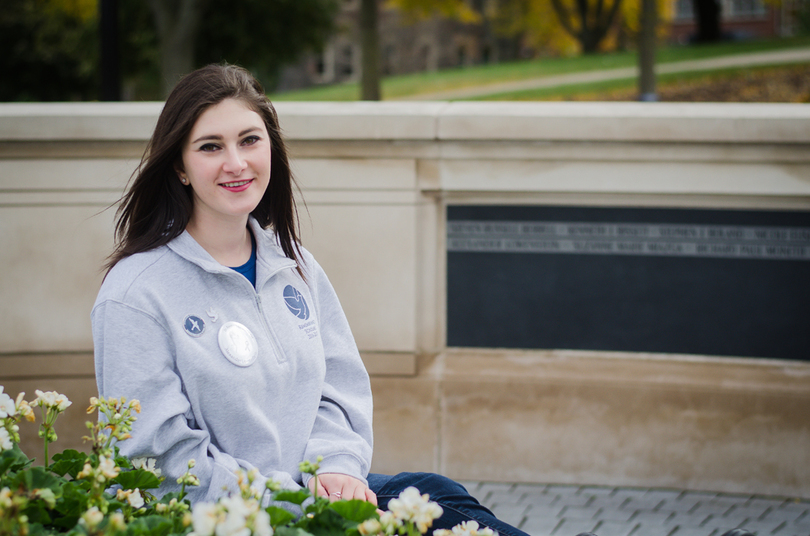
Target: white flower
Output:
[(261, 524), (107, 467), (24, 409), (147, 464), (234, 524), (62, 402), (416, 508), (52, 399), (46, 495), (133, 497), (5, 498), (231, 516), (45, 398), (390, 523), (117, 522), (369, 527), (135, 500), (91, 518), (204, 518), (465, 528), (5, 440), (86, 471), (7, 406)]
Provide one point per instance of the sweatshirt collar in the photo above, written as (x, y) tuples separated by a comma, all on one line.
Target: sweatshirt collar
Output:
[(270, 257)]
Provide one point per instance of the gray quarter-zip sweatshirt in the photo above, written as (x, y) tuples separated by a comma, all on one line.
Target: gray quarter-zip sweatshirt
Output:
[(228, 375)]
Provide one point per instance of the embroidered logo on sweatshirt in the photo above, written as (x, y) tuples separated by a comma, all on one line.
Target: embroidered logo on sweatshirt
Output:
[(194, 325), (296, 302)]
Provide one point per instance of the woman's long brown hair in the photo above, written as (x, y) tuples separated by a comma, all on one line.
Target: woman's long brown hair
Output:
[(157, 207)]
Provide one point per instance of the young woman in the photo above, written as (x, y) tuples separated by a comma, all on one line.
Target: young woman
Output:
[(225, 329)]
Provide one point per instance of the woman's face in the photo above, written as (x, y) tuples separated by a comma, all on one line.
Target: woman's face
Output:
[(226, 161)]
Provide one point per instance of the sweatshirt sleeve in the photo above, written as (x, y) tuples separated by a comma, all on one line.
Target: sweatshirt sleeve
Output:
[(342, 432), (134, 357)]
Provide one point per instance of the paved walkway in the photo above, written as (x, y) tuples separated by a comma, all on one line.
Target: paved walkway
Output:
[(555, 510), (776, 57)]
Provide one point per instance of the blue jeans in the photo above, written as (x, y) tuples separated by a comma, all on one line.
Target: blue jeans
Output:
[(458, 505)]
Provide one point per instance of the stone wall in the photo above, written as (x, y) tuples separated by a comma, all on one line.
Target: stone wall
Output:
[(376, 179)]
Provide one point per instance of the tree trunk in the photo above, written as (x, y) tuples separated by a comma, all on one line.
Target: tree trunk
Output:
[(594, 22), (177, 23), (370, 45), (110, 70), (646, 51), (707, 20)]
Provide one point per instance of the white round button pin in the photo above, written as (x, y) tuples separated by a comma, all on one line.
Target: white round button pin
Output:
[(238, 344)]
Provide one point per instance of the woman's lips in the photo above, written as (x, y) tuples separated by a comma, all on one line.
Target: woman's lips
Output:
[(236, 186)]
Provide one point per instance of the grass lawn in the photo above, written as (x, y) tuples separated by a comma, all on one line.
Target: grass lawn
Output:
[(413, 84), (626, 89)]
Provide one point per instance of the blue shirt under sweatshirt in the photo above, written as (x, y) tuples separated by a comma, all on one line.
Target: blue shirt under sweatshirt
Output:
[(249, 268)]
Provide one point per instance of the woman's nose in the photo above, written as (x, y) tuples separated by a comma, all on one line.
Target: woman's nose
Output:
[(234, 162)]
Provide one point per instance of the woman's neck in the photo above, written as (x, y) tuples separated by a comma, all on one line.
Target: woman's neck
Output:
[(228, 243)]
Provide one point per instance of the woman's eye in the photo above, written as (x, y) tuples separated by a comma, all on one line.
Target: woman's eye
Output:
[(209, 147), (250, 140)]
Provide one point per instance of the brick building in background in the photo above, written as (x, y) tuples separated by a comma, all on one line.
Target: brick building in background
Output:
[(740, 19), (407, 46)]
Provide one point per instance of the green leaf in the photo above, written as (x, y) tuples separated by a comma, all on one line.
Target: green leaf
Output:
[(326, 523), (138, 478), (166, 499), (38, 478), (35, 529), (37, 513), (291, 531), (355, 510), (122, 462), (69, 462), (295, 497), (13, 460), (153, 525), (72, 504), (279, 516)]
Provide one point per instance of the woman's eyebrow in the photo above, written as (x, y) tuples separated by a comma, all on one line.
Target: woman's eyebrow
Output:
[(209, 137), (218, 137), (247, 131)]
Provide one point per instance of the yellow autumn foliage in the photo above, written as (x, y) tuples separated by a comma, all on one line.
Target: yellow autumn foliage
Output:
[(536, 22), (83, 10), (424, 9)]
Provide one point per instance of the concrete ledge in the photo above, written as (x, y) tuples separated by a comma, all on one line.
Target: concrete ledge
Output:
[(581, 121), (389, 363), (80, 365), (701, 423), (626, 121), (359, 120), (78, 121), (58, 365)]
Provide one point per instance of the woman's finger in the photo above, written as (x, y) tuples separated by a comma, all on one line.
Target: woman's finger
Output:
[(320, 492)]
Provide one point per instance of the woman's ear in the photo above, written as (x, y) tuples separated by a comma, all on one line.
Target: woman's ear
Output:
[(178, 168)]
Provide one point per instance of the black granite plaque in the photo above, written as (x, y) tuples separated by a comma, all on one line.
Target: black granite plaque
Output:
[(713, 282)]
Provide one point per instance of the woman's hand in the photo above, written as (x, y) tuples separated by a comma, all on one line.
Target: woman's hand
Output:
[(338, 486)]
